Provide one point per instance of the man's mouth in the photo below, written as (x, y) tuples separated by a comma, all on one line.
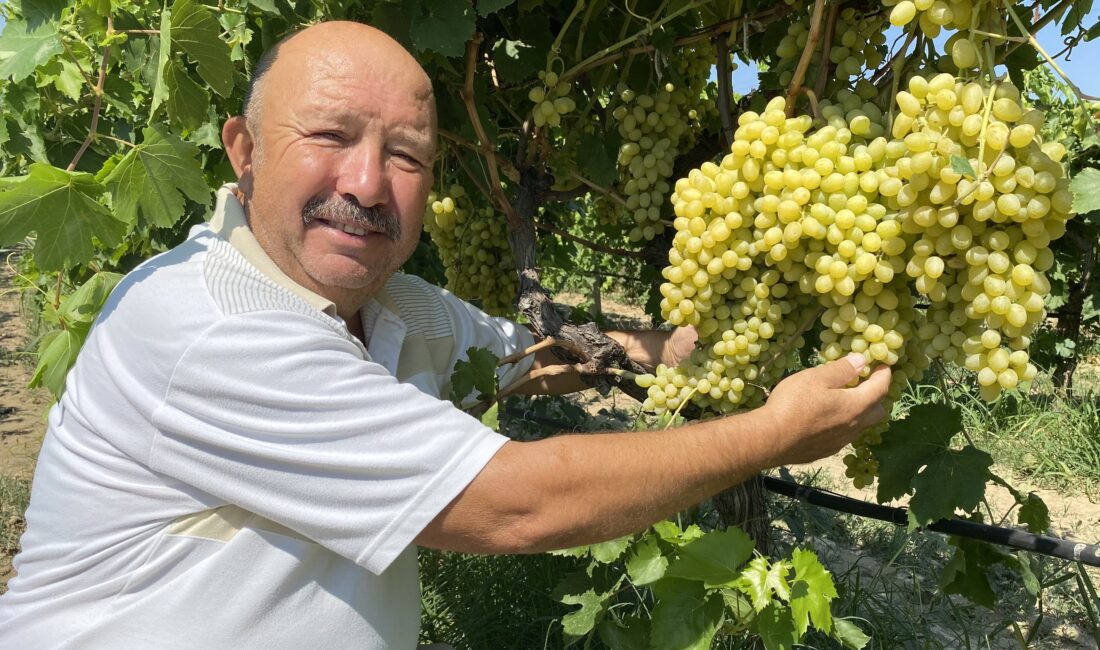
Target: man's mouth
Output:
[(346, 227)]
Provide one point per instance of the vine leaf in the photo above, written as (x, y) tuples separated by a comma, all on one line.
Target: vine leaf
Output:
[(444, 27), (1086, 190), (965, 572), (580, 622), (62, 207), (715, 558), (849, 634), (477, 371), (160, 85), (154, 177), (1034, 514), (685, 616), (596, 156), (961, 165), (196, 32), (187, 101), (910, 444), (56, 354), (812, 590), (630, 634), (954, 479), (762, 580), (646, 564), (24, 47), (775, 627), (487, 7), (611, 550)]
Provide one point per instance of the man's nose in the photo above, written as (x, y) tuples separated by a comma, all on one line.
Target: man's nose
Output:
[(363, 177)]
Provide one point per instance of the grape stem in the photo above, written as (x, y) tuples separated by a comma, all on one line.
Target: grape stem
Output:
[(783, 349), (807, 55), (826, 48), (680, 407), (496, 189), (97, 106), (512, 358), (610, 193)]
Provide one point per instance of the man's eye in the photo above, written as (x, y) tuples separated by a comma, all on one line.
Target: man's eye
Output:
[(330, 135), (407, 157)]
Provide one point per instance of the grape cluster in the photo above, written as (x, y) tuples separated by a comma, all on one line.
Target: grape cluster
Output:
[(473, 245), (551, 100), (654, 128), (858, 43), (855, 227), (932, 15)]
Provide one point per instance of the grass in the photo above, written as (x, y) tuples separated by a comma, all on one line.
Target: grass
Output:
[(15, 494)]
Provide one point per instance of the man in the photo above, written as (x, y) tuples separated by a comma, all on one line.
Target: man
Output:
[(234, 462)]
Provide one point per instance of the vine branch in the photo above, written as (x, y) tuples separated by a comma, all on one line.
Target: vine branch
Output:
[(725, 92), (97, 106), (591, 245), (807, 55), (826, 47), (497, 190)]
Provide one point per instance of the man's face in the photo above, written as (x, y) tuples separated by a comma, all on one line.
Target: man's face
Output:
[(342, 168)]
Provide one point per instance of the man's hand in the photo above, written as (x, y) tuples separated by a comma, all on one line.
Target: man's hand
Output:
[(814, 413)]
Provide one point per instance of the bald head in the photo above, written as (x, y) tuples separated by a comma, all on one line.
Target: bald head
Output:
[(343, 42)]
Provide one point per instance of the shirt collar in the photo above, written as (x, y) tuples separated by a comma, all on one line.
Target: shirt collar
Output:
[(230, 223)]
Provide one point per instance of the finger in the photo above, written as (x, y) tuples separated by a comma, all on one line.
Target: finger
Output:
[(836, 374), (872, 416), (874, 388)]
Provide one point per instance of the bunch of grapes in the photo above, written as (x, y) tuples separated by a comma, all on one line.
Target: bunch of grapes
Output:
[(858, 43), (932, 15), (473, 245), (551, 100), (951, 211)]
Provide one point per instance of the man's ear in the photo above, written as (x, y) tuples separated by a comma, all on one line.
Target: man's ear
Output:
[(239, 146)]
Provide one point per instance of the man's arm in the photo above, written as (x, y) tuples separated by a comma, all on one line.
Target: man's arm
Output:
[(579, 489)]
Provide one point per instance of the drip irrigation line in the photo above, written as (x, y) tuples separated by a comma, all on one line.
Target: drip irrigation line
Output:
[(1053, 546)]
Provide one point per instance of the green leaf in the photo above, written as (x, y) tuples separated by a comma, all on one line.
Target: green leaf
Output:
[(491, 417), (4, 136), (154, 177), (911, 443), (954, 479), (84, 304), (1034, 514), (715, 558), (646, 564), (776, 628), (812, 590), (23, 48), (164, 53), (609, 551), (596, 156), (965, 574), (961, 165), (762, 581), (1086, 190), (42, 11), (478, 370), (266, 6), (196, 32), (580, 622), (56, 354), (685, 616), (187, 101), (487, 7), (630, 634), (62, 208), (849, 634), (444, 27)]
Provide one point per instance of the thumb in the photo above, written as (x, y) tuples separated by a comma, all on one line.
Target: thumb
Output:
[(837, 374)]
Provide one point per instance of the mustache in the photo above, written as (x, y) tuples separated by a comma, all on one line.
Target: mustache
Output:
[(342, 210)]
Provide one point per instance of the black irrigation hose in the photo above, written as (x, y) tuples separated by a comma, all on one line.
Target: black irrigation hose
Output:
[(1061, 548)]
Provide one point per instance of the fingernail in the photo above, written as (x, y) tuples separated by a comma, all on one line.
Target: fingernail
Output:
[(857, 360)]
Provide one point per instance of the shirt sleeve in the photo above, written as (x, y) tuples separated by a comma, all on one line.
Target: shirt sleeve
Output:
[(276, 413), (475, 328)]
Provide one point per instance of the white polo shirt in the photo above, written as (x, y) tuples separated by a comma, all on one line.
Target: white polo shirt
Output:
[(229, 468)]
